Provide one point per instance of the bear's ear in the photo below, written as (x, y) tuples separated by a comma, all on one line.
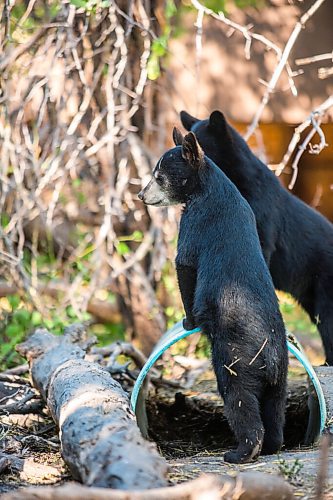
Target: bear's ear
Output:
[(192, 152), (217, 122), (177, 136), (187, 120)]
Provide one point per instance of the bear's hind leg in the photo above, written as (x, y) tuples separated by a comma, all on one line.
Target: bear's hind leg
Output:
[(243, 415), (273, 417), (319, 306), (323, 318)]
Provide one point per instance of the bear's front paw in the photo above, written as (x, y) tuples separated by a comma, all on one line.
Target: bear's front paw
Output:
[(188, 324), (234, 457)]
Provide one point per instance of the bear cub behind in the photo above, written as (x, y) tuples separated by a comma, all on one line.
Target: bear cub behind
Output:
[(296, 240), (227, 291)]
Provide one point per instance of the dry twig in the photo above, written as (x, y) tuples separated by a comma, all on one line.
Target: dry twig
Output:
[(283, 60), (314, 119)]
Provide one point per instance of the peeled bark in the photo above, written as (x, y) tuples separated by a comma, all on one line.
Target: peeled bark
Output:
[(100, 440)]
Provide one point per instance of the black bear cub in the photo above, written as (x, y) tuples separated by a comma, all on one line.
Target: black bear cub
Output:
[(227, 291), (297, 242)]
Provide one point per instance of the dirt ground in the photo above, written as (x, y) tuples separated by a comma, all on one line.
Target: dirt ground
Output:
[(299, 467)]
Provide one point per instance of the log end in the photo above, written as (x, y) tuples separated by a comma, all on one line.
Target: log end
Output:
[(40, 342)]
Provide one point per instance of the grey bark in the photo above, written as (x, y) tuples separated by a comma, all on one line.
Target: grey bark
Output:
[(100, 440)]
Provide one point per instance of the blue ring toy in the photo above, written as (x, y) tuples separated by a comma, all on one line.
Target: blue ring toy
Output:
[(177, 332)]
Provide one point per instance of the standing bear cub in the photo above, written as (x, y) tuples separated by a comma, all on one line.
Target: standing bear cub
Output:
[(227, 291), (297, 242)]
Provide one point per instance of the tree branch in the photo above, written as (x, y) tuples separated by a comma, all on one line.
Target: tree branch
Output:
[(314, 120), (281, 65)]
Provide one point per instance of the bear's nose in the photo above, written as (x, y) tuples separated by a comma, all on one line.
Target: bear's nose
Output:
[(140, 195)]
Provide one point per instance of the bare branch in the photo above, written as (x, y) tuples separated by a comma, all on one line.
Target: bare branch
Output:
[(244, 30), (25, 47), (325, 73), (282, 56), (23, 406), (312, 59), (282, 64), (314, 120)]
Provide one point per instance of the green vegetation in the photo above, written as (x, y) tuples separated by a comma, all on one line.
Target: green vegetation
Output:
[(159, 46), (18, 319), (290, 470), (18, 316), (91, 5), (297, 321), (41, 12), (224, 5)]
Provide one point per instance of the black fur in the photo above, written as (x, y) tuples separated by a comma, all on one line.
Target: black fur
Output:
[(227, 290), (297, 241)]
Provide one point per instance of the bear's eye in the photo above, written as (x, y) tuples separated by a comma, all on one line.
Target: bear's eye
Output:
[(160, 179)]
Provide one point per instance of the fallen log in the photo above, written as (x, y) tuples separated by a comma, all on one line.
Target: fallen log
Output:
[(100, 440), (245, 486)]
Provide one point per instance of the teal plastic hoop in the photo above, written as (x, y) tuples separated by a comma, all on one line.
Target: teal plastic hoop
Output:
[(177, 332)]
